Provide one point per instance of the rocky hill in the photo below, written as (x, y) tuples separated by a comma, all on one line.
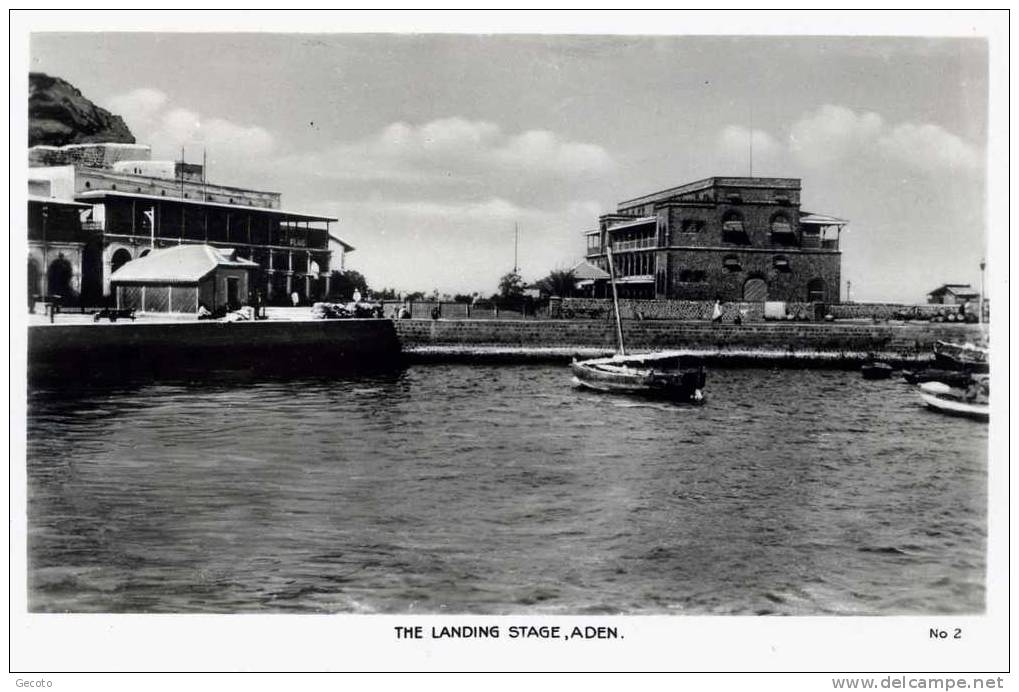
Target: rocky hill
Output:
[(58, 114)]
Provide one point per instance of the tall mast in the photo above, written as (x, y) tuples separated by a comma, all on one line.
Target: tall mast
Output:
[(751, 139), (615, 301)]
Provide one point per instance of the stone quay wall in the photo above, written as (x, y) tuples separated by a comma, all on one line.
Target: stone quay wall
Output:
[(102, 349), (829, 342), (750, 312)]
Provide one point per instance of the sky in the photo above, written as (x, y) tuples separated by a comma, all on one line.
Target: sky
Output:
[(431, 148)]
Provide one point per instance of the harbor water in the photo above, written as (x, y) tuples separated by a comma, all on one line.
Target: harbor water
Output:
[(502, 489)]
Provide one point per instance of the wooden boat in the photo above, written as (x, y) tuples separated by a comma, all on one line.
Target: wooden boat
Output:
[(970, 403), (657, 374), (968, 357), (877, 371), (953, 378)]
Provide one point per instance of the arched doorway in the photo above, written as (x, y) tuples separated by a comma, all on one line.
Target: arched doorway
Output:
[(817, 291), (755, 290), (119, 259), (58, 278)]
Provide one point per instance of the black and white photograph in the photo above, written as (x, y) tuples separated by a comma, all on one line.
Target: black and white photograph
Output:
[(482, 346)]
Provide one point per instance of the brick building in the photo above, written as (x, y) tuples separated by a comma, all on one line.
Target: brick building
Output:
[(732, 239), (135, 204)]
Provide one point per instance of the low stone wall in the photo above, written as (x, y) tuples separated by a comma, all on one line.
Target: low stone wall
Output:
[(824, 341), (750, 312), (887, 311), (675, 309), (315, 346)]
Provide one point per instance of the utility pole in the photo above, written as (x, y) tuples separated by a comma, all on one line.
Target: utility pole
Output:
[(515, 244), (849, 291)]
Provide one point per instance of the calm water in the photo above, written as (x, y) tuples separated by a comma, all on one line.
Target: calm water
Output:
[(503, 489)]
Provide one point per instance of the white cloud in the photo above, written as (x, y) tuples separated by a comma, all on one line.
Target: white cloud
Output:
[(140, 107), (929, 146), (736, 138), (834, 134), (166, 128), (455, 148)]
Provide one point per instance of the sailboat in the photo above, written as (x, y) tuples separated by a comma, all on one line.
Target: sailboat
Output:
[(658, 374)]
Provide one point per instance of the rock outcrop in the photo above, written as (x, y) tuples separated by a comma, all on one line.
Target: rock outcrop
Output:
[(58, 114)]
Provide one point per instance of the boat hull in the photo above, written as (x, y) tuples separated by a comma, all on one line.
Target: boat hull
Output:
[(944, 399), (637, 376), (962, 357)]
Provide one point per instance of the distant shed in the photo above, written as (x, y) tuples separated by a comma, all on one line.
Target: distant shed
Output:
[(180, 278), (953, 294)]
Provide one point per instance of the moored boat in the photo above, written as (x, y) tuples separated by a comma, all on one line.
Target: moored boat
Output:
[(953, 378), (968, 357), (970, 403), (660, 374), (877, 371), (657, 374)]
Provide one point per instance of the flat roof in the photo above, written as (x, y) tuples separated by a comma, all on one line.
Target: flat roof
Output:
[(58, 201), (102, 194), (783, 183), (641, 221)]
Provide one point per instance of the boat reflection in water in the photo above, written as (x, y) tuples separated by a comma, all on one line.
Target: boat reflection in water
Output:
[(658, 374)]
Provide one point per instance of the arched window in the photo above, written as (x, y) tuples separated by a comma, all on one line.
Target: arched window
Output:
[(755, 290), (733, 230), (732, 221), (119, 259), (780, 224), (817, 291)]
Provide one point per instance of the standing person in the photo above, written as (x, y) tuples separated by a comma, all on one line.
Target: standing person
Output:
[(716, 312), (357, 296), (295, 299)]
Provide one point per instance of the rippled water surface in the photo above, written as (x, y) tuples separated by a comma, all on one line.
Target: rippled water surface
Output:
[(503, 489)]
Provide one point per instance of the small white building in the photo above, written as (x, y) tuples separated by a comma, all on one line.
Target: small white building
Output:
[(180, 278)]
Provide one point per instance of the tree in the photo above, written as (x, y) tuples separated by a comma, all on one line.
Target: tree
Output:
[(343, 284), (511, 285), (559, 282)]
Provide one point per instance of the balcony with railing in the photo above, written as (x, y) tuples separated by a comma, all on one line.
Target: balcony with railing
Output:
[(814, 241), (634, 244)]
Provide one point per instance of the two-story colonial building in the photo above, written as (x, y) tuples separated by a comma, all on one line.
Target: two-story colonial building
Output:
[(131, 205), (730, 239)]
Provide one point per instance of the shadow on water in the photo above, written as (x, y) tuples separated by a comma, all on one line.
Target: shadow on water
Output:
[(206, 370)]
